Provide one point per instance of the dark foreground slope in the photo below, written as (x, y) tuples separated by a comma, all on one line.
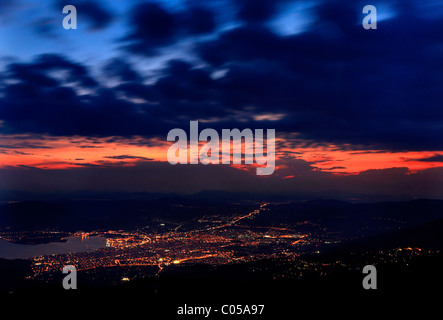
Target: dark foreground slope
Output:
[(339, 295), (411, 282)]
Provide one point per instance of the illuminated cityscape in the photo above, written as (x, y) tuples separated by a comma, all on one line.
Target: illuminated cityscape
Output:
[(213, 240)]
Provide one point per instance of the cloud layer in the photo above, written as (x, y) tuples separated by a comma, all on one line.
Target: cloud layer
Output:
[(335, 82), (320, 78)]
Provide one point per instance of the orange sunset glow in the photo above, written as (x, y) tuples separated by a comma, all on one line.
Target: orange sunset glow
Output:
[(70, 152)]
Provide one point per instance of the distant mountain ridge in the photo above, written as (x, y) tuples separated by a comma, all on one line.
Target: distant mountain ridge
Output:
[(212, 195), (335, 216)]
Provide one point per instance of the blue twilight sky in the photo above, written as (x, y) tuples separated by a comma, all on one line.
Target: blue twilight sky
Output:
[(32, 27)]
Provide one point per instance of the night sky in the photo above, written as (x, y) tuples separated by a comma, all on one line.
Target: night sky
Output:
[(356, 111)]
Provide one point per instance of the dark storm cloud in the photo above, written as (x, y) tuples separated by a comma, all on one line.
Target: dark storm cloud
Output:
[(435, 158), (199, 20), (57, 96), (127, 156), (338, 82), (23, 145), (253, 11), (153, 26), (121, 70), (337, 168), (94, 12), (37, 73), (89, 147)]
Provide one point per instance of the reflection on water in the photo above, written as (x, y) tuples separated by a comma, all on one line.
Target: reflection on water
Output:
[(10, 250)]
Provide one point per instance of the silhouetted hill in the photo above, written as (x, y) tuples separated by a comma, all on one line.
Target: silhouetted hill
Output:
[(13, 274), (100, 214), (354, 219), (238, 197), (427, 236)]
